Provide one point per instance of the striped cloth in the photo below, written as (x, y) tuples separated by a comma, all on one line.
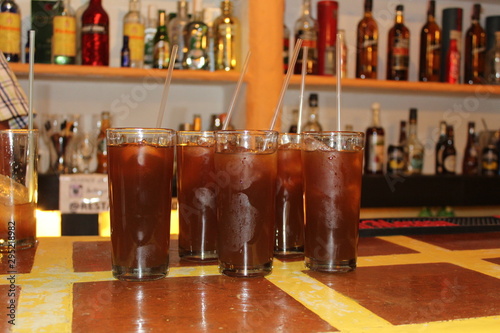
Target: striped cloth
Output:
[(13, 101)]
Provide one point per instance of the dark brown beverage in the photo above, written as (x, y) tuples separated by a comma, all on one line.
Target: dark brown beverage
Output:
[(140, 179), (367, 45), (332, 183), (398, 49), (246, 201), (430, 48), (289, 202), (196, 198)]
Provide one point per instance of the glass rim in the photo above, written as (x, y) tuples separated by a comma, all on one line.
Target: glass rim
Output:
[(19, 131), (134, 130), (334, 133), (260, 132), (191, 132)]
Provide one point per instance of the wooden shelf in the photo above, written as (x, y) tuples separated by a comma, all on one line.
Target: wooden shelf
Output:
[(395, 87), (80, 73)]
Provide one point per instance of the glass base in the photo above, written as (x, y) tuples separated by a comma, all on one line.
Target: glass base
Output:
[(342, 266), (295, 252), (198, 256), (140, 274), (248, 271), (20, 244)]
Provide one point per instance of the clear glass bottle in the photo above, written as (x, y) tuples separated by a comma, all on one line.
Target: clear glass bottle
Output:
[(306, 28), (176, 30), (430, 48), (63, 34), (493, 61), (149, 36), (367, 45), (226, 38), (375, 144), (312, 123), (95, 35), (196, 41), (161, 53), (10, 30), (133, 27), (398, 49), (475, 49), (414, 149)]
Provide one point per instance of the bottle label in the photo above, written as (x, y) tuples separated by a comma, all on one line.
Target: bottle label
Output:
[(10, 33), (135, 33), (161, 54), (449, 164), (416, 160), (490, 162), (400, 53), (454, 67), (64, 36), (376, 153), (369, 42), (94, 29)]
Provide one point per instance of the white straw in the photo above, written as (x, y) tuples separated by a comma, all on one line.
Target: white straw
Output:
[(302, 86), (289, 73), (31, 77), (166, 87), (339, 74), (236, 92)]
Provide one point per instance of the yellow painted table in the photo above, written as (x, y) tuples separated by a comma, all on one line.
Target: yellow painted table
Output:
[(441, 283)]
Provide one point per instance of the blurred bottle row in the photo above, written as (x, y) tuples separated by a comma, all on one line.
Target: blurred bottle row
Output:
[(441, 49), (63, 38)]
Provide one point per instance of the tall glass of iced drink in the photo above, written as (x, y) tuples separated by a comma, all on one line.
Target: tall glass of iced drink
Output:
[(332, 164), (246, 165), (140, 171), (196, 195), (289, 198), (18, 189)]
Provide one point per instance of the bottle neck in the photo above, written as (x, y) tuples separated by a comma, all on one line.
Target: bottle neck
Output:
[(162, 19), (182, 10), (431, 12), (368, 7), (95, 3), (134, 6), (399, 17), (376, 118), (412, 130), (198, 16), (226, 8), (306, 8)]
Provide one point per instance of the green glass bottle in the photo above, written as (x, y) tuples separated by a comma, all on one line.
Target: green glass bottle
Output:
[(161, 52)]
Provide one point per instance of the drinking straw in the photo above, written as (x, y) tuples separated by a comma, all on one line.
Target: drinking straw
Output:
[(289, 73), (236, 92), (339, 74), (31, 151), (302, 85), (166, 86)]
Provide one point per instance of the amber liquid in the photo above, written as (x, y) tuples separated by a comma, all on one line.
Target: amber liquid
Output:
[(140, 179), (475, 51), (197, 206), (430, 49), (246, 213), (18, 224), (332, 198), (398, 57), (367, 45), (289, 203)]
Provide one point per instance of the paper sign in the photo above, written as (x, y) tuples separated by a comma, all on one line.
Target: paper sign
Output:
[(83, 194)]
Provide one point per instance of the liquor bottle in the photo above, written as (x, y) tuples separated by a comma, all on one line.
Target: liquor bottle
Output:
[(475, 49), (196, 41), (10, 30), (449, 153), (176, 30), (102, 149), (402, 133), (327, 36), (133, 27), (430, 48), (398, 49), (306, 28), (451, 29), (27, 48), (226, 38), (161, 51), (295, 120), (149, 36), (63, 34), (125, 54), (95, 35), (196, 122), (452, 74), (493, 61), (367, 45), (414, 149), (374, 145), (489, 160), (286, 48), (312, 123), (439, 148), (343, 63), (470, 165)]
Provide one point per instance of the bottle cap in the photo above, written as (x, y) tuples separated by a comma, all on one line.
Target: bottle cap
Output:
[(399, 8)]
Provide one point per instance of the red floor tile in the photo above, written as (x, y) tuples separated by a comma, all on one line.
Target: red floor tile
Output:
[(9, 301), (22, 262), (472, 241), (190, 304), (406, 294)]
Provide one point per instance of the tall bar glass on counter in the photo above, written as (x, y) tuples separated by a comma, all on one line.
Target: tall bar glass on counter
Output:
[(246, 170), (196, 195), (332, 164), (289, 198), (18, 189), (140, 171)]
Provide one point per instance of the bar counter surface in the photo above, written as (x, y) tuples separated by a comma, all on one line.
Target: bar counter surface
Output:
[(426, 283)]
